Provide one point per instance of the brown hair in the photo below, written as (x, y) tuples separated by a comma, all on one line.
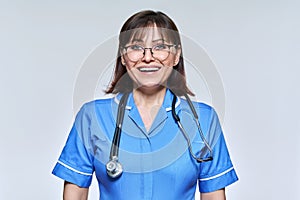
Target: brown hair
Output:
[(121, 81)]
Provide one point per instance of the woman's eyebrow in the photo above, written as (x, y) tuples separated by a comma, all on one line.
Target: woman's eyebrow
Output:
[(137, 40), (157, 40)]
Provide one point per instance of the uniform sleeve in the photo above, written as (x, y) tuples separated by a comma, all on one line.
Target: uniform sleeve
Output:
[(219, 172), (75, 163)]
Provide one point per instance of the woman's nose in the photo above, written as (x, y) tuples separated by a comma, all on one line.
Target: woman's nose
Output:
[(148, 55)]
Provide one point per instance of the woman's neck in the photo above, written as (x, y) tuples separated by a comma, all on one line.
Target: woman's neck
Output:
[(148, 98), (148, 103)]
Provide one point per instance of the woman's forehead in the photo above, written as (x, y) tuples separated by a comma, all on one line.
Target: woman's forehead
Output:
[(146, 34), (147, 39)]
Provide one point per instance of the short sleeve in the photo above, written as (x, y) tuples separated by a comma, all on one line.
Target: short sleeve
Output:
[(219, 172), (75, 163)]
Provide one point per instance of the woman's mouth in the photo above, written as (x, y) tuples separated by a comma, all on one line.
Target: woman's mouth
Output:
[(148, 69)]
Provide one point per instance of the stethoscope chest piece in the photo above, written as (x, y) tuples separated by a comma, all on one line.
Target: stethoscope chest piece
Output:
[(114, 168)]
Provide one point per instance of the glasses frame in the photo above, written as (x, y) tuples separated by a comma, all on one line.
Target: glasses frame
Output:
[(151, 50)]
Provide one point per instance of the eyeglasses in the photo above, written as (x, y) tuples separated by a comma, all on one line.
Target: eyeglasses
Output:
[(137, 52)]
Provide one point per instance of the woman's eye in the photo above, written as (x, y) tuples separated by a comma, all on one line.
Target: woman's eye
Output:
[(136, 47), (160, 47)]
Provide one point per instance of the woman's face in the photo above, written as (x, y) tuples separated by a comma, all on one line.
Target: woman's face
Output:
[(149, 60)]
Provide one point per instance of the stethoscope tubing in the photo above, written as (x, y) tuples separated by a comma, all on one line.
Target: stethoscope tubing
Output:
[(196, 119), (114, 168), (119, 122)]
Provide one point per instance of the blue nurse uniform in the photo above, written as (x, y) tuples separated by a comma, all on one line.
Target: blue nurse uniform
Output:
[(156, 163)]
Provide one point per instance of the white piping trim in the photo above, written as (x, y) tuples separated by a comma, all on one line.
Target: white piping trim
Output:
[(216, 176), (79, 172), (118, 101)]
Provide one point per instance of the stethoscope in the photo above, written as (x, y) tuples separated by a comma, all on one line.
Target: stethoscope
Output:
[(114, 168)]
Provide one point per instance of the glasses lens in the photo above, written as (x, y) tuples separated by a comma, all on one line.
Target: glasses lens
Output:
[(161, 52), (135, 52)]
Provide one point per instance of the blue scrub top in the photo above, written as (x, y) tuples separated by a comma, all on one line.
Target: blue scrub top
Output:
[(156, 163)]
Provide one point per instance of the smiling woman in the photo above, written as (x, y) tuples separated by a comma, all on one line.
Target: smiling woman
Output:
[(152, 66), (161, 32), (166, 148)]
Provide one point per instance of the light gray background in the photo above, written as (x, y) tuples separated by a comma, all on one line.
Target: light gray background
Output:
[(254, 45)]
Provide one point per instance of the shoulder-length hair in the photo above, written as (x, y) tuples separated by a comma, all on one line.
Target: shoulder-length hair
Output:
[(134, 27)]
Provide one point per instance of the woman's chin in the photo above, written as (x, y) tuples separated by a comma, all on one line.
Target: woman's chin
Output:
[(150, 86)]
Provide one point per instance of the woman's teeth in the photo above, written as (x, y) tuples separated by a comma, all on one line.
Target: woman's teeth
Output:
[(149, 69)]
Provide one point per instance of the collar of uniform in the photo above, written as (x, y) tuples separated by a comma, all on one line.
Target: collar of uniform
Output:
[(130, 101), (167, 103)]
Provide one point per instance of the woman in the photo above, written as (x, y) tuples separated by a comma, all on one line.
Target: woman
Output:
[(163, 149)]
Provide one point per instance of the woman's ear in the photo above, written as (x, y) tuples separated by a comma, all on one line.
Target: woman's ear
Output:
[(122, 56), (177, 55), (123, 60)]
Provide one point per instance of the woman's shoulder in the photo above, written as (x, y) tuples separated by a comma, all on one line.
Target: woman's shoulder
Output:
[(204, 110), (107, 99), (102, 103), (199, 105)]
